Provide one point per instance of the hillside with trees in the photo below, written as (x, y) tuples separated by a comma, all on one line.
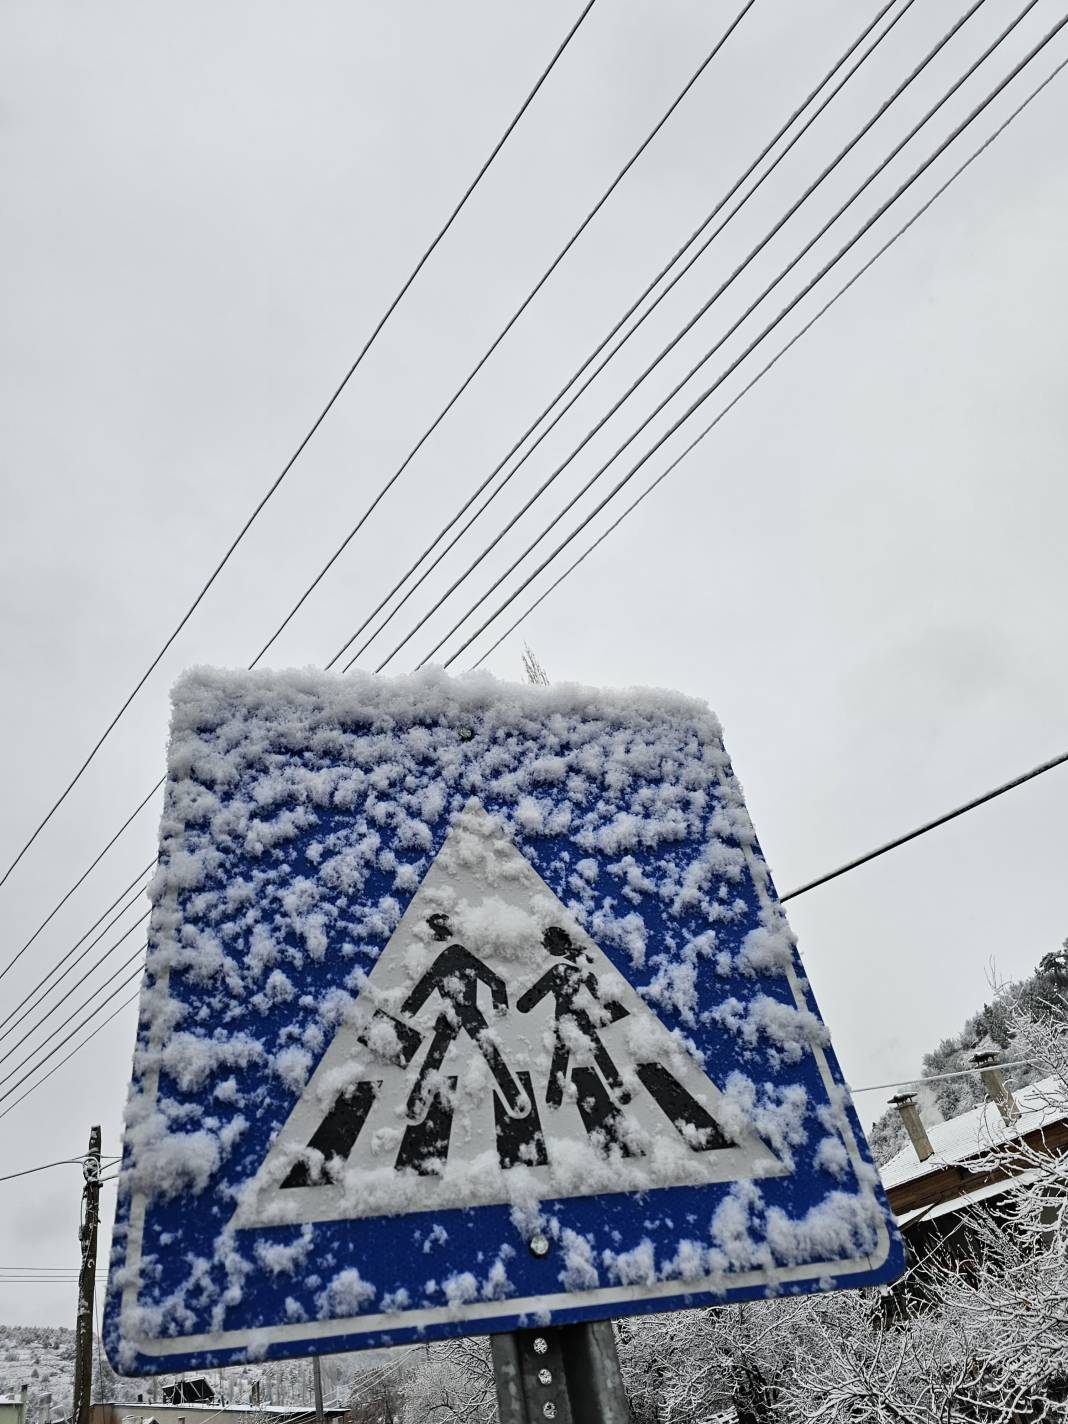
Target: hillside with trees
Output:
[(1007, 1023)]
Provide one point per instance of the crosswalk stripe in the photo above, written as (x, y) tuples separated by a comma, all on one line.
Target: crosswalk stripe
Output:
[(337, 1133), (520, 1140), (425, 1145)]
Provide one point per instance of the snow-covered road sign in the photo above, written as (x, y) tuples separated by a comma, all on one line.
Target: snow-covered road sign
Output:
[(468, 1006)]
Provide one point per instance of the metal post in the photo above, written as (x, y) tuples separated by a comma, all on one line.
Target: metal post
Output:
[(566, 1373), (317, 1381), (83, 1329)]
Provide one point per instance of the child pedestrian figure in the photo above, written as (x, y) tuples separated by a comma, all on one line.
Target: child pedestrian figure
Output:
[(455, 976), (572, 985)]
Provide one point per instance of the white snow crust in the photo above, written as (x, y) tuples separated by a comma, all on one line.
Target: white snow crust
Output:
[(290, 794)]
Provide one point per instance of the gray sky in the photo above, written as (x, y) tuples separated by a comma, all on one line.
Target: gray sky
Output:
[(205, 210)]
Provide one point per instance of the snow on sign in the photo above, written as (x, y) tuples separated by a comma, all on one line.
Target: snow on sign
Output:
[(467, 1006)]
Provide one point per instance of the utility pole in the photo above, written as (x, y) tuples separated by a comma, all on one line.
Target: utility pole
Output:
[(317, 1381), (83, 1328)]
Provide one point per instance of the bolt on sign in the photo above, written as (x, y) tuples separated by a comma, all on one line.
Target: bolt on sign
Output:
[(468, 1007)]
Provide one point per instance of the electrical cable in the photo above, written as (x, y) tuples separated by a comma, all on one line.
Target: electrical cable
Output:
[(74, 961), (84, 876), (592, 357), (720, 342), (977, 801), (273, 487), (559, 258), (829, 169), (941, 1077), (781, 315), (29, 1171), (524, 304), (33, 1028), (73, 1032), (678, 459), (929, 825), (77, 1049), (125, 964)]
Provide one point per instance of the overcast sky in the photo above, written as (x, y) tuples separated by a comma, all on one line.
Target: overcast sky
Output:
[(207, 208)]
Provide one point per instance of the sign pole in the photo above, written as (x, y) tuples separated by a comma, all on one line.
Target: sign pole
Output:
[(567, 1373), (317, 1381)]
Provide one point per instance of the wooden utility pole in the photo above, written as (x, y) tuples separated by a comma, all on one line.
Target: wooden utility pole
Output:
[(83, 1328)]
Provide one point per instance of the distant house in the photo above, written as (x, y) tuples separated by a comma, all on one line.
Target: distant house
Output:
[(194, 1391), (949, 1167), (13, 1410)]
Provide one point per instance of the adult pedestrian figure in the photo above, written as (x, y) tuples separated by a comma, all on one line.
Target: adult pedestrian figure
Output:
[(576, 992), (455, 975)]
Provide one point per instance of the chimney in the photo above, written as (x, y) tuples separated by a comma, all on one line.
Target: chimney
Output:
[(995, 1086), (910, 1116)]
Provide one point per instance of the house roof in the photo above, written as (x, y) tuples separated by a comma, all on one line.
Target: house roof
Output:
[(983, 1192), (973, 1133)]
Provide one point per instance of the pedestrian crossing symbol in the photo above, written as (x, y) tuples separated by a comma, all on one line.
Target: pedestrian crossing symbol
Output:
[(494, 1049), (467, 1007)]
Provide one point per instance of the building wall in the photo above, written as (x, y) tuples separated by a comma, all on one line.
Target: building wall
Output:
[(196, 1414), (168, 1414)]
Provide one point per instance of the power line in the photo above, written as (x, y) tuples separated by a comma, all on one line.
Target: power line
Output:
[(76, 1049), (733, 328), (524, 304), (273, 487), (678, 459), (32, 1029), (38, 1281), (59, 1004), (22, 1063), (674, 342), (987, 796), (939, 1077), (747, 351), (29, 1171), (930, 825), (651, 286), (44, 1167), (72, 962), (76, 1030), (559, 258), (84, 876)]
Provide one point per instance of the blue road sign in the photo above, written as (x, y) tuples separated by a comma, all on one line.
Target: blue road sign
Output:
[(468, 1007)]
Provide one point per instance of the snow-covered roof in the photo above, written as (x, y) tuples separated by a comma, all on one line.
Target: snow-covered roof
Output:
[(972, 1133), (283, 1411)]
